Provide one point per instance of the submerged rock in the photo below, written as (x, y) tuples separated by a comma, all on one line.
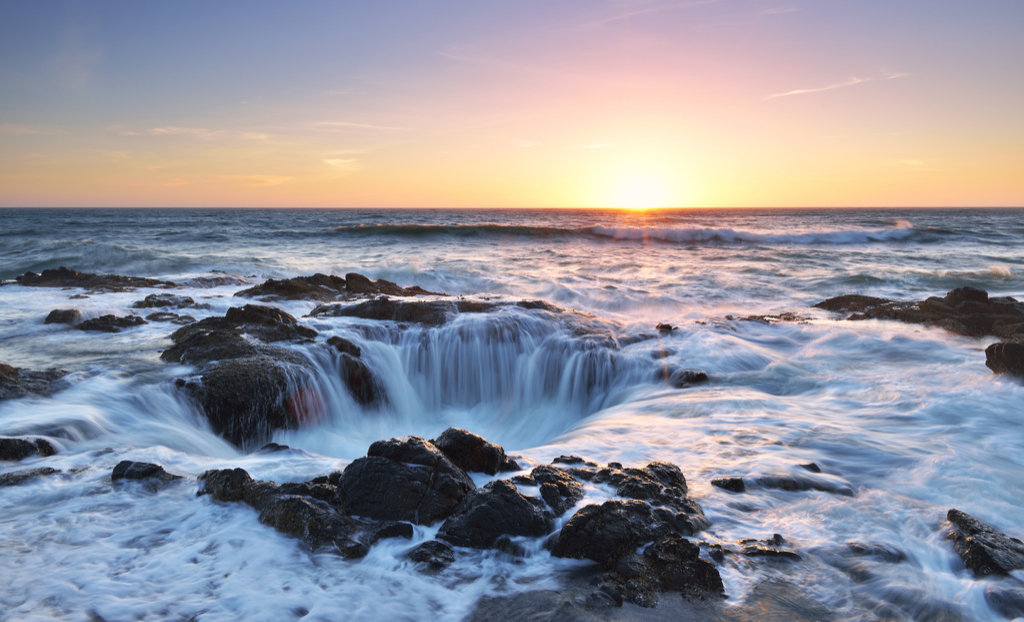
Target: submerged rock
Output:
[(472, 453), (17, 382), (494, 511), (174, 318), (111, 323), (1005, 358), (772, 547), (732, 484), (670, 564), (16, 478), (156, 301), (802, 483), (682, 378), (66, 277), (436, 555), (984, 550), (345, 346), (63, 316), (16, 449), (404, 479), (153, 475)]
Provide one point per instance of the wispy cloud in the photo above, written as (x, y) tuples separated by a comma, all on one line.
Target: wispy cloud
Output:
[(368, 126), (780, 9), (839, 85), (341, 162), (170, 130)]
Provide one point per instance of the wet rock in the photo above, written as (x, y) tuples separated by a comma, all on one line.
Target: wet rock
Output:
[(404, 479), (359, 284), (153, 301), (803, 483), (16, 478), (772, 547), (559, 490), (386, 530), (670, 564), (242, 332), (573, 460), (472, 453), (16, 449), (1005, 358), (437, 555), (883, 552), (685, 377), (494, 511), (965, 310), (428, 312), (225, 484), (604, 533), (1005, 600), (319, 287), (732, 484), (66, 277), (111, 323), (314, 522), (345, 346), (365, 387), (63, 316), (273, 448), (984, 550), (174, 318), (810, 466), (153, 474), (665, 328)]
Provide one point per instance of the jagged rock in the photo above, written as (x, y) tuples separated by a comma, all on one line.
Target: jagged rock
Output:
[(153, 301), (732, 484), (437, 555), (670, 564), (111, 323), (427, 312), (152, 474), (984, 550), (345, 346), (359, 284), (174, 318), (388, 530), (315, 522), (65, 277), (493, 511), (225, 484), (363, 384), (1005, 358), (16, 478), (771, 547), (965, 310), (572, 461), (63, 316), (685, 377), (404, 479), (319, 287), (559, 490), (810, 466), (16, 449), (803, 483), (604, 533), (472, 453)]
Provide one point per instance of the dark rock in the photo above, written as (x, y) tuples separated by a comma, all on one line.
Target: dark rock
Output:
[(63, 316), (345, 346), (983, 549), (665, 328), (65, 277), (152, 474), (559, 490), (1005, 358), (429, 312), (174, 318), (17, 382), (883, 552), (225, 484), (437, 555), (365, 387), (273, 448), (153, 301), (319, 287), (573, 460), (604, 533), (111, 323), (802, 483), (771, 547), (732, 484), (1005, 600), (493, 511), (851, 303), (685, 377), (403, 479), (315, 522), (15, 449), (16, 478), (472, 453), (960, 295), (810, 466), (359, 284), (387, 530)]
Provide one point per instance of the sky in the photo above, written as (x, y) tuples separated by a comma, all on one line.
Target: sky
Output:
[(532, 103)]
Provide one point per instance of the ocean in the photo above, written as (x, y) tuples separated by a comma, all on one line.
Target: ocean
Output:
[(905, 419)]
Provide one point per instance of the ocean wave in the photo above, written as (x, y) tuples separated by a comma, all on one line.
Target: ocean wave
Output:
[(682, 235)]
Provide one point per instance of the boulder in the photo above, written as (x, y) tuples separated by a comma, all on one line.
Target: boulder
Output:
[(472, 453), (436, 555), (174, 318), (359, 284), (559, 490), (604, 533), (732, 484), (153, 475), (16, 449), (66, 277), (802, 483), (364, 386), (984, 550), (319, 287), (685, 377), (345, 346), (16, 478), (111, 323), (225, 484), (670, 564), (1005, 358), (772, 547), (403, 479), (63, 316), (315, 522), (496, 510), (154, 301)]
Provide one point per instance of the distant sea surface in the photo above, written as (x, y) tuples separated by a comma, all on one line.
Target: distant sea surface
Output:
[(905, 417)]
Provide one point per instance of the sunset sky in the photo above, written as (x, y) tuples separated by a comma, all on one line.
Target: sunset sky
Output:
[(527, 103)]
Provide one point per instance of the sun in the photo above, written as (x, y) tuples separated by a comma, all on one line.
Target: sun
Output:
[(640, 191)]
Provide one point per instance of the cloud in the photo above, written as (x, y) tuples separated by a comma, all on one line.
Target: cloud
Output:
[(839, 85), (169, 130), (781, 9), (341, 162)]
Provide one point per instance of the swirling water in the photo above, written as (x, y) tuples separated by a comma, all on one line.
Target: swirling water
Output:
[(907, 417)]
